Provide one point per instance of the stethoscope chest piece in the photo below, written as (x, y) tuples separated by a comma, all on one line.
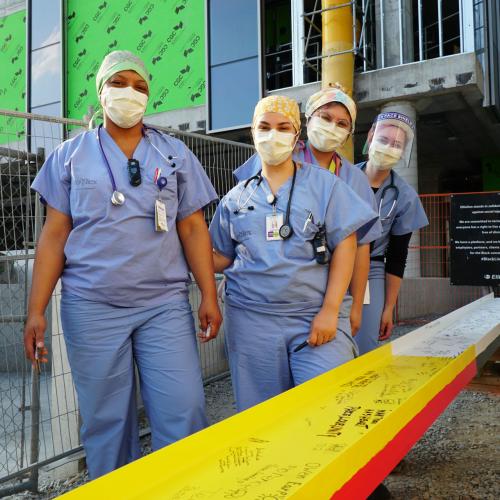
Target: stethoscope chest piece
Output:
[(117, 198), (285, 231)]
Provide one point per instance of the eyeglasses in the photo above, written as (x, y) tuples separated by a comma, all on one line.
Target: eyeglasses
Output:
[(342, 123), (134, 172)]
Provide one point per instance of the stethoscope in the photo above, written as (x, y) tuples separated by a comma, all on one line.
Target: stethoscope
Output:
[(286, 230), (393, 186), (241, 206), (117, 197)]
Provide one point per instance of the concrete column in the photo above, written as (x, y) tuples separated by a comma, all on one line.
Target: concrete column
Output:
[(396, 33), (410, 175)]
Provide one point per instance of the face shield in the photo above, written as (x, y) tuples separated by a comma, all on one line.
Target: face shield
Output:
[(390, 141)]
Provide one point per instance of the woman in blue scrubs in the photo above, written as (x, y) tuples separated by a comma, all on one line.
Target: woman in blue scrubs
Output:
[(389, 145), (285, 240), (331, 115), (124, 227)]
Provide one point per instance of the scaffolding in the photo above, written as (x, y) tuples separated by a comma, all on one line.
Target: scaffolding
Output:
[(418, 30)]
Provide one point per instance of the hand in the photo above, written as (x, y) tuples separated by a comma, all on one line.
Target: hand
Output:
[(356, 317), (386, 324), (323, 327), (210, 319), (34, 332)]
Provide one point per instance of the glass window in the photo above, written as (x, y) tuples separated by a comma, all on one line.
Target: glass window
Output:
[(312, 42), (234, 62), (233, 30), (46, 23), (278, 44), (234, 93), (46, 75)]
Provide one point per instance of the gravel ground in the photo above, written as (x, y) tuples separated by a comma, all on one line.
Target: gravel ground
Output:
[(457, 458)]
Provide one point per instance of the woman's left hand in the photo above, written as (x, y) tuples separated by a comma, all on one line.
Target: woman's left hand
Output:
[(210, 319), (323, 327), (386, 324)]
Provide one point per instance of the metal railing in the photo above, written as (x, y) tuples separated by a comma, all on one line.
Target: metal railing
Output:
[(39, 420)]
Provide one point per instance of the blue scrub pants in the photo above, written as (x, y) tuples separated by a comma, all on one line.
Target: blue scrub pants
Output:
[(103, 342), (261, 358), (367, 336)]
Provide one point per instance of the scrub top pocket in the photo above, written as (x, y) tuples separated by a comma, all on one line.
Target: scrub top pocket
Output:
[(299, 246)]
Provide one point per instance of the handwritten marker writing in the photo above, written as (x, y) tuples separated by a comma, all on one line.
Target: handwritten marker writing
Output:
[(301, 346)]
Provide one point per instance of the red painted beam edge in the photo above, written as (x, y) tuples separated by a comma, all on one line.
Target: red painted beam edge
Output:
[(374, 472)]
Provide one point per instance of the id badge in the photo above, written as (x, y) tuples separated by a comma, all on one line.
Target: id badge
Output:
[(160, 217), (273, 224), (366, 299)]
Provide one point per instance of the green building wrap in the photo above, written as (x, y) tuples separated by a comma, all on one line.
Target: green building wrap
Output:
[(13, 80), (168, 35)]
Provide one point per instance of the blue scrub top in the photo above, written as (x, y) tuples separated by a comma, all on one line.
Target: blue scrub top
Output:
[(283, 276), (113, 253), (407, 216), (351, 175)]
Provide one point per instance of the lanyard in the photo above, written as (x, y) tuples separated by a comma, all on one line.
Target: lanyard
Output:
[(118, 198), (286, 230), (335, 161)]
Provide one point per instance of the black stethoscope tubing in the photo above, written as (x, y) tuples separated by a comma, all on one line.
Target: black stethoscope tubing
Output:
[(286, 230), (393, 186), (118, 198), (394, 202)]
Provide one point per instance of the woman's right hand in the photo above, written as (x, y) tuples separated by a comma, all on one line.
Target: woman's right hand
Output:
[(34, 333)]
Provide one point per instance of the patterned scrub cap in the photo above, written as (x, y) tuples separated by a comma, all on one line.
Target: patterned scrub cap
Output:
[(278, 104), (116, 61), (326, 96)]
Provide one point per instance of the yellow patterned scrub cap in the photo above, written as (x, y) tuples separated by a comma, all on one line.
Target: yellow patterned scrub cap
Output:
[(326, 96), (278, 104)]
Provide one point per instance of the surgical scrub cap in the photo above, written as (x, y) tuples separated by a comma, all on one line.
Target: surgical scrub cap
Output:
[(278, 104), (119, 60), (326, 96)]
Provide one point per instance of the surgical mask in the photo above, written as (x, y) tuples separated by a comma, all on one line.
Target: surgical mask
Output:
[(326, 136), (274, 147), (383, 157), (124, 106)]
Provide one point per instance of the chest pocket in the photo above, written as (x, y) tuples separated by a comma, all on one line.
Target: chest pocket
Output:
[(299, 246), (169, 196), (90, 192), (248, 232)]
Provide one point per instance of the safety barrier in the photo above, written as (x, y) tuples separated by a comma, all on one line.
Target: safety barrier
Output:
[(336, 436), (39, 421)]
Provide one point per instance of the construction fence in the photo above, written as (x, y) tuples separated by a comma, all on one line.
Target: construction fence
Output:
[(39, 420)]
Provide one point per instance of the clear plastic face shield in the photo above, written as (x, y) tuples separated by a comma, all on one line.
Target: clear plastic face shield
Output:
[(390, 141)]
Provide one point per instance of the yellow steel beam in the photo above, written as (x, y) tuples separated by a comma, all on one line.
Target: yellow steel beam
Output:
[(326, 437)]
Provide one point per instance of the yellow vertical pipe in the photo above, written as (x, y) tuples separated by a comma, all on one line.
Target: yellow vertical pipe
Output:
[(337, 36)]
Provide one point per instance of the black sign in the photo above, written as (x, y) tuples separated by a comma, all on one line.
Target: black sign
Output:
[(475, 239)]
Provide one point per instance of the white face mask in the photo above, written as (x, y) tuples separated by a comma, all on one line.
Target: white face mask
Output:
[(326, 136), (274, 147), (124, 106), (383, 157)]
